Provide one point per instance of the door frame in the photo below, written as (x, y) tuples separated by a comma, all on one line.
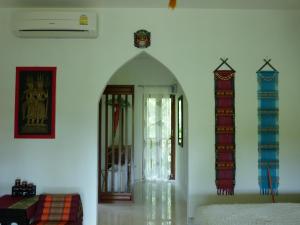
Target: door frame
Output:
[(173, 138)]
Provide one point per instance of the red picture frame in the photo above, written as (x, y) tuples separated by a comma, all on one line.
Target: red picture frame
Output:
[(35, 102)]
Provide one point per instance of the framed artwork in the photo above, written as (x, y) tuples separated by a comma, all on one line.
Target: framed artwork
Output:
[(35, 102), (180, 121)]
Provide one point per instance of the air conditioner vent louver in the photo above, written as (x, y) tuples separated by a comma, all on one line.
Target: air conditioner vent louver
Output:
[(55, 30)]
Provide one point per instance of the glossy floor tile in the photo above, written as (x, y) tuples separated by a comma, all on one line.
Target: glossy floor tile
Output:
[(156, 203)]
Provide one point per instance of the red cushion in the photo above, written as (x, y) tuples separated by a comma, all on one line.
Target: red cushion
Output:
[(59, 208)]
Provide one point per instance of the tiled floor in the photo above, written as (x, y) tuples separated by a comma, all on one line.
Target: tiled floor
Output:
[(156, 203)]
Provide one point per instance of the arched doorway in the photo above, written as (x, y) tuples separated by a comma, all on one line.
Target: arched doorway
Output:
[(151, 78)]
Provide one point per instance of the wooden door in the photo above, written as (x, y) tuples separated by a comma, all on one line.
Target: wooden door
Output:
[(116, 144)]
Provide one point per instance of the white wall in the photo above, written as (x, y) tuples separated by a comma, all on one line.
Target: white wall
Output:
[(143, 70), (182, 151), (189, 43)]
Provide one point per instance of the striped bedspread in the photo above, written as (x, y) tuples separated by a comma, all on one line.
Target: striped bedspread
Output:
[(59, 209)]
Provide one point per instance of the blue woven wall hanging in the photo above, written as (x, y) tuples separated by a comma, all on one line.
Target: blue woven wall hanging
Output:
[(268, 145)]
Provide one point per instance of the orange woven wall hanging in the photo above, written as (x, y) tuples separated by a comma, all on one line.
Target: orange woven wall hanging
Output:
[(172, 4)]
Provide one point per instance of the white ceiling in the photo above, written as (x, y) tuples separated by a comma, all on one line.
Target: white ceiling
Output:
[(209, 4)]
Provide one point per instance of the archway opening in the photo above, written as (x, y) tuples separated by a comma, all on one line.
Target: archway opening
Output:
[(159, 174)]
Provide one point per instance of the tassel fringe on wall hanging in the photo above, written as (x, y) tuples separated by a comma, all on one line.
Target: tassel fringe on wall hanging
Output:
[(224, 129), (268, 145)]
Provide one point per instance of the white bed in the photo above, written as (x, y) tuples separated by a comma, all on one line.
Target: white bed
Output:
[(248, 214)]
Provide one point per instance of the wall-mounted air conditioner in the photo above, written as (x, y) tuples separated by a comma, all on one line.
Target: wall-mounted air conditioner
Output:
[(49, 24)]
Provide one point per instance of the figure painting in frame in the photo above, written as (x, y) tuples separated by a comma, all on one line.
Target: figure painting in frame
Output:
[(35, 102)]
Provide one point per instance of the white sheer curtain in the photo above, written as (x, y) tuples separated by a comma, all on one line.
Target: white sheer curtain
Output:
[(157, 133)]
